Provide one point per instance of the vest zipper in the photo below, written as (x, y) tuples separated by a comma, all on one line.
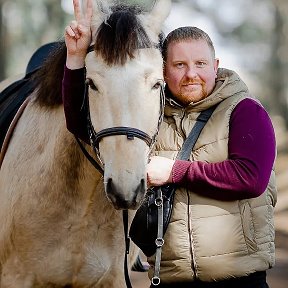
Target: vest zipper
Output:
[(181, 125), (193, 266)]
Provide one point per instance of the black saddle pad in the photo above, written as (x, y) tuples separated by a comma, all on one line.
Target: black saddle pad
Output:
[(15, 94), (10, 100)]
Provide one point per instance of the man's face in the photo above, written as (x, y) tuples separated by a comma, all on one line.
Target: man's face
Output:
[(190, 70)]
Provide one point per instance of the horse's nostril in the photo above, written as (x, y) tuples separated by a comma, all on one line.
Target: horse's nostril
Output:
[(109, 184)]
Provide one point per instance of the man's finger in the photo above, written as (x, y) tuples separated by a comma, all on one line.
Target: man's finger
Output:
[(72, 31), (89, 11), (77, 10), (74, 24), (69, 31)]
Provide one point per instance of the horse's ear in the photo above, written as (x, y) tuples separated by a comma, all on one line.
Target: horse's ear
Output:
[(153, 20), (101, 12)]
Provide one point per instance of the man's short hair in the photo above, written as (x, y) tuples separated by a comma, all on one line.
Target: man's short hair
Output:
[(186, 33)]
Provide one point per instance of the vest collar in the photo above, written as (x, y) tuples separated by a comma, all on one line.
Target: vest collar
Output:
[(227, 84)]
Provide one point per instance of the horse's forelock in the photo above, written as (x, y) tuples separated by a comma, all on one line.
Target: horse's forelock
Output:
[(120, 36)]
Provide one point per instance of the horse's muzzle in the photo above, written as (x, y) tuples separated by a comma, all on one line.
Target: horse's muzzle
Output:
[(125, 199)]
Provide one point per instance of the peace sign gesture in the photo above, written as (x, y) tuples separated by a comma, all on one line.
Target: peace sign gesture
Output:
[(78, 35)]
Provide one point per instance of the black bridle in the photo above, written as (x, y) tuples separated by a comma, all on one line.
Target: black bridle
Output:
[(130, 132)]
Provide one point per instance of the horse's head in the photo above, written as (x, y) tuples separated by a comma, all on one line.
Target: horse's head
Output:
[(125, 78)]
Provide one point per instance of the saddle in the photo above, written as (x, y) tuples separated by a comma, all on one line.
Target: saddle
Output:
[(13, 96)]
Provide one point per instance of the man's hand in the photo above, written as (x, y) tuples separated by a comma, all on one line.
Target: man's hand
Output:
[(78, 35), (159, 171)]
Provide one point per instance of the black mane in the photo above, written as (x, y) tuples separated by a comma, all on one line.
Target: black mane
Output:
[(121, 35)]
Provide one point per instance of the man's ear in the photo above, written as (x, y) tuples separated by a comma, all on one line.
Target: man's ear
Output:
[(216, 64), (164, 72)]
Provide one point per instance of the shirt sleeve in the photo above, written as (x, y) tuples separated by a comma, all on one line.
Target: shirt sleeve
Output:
[(73, 89), (251, 155)]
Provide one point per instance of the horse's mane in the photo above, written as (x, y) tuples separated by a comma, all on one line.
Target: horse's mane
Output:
[(117, 39), (121, 35), (49, 77)]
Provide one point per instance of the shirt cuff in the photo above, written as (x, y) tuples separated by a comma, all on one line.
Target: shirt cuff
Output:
[(179, 171), (75, 76)]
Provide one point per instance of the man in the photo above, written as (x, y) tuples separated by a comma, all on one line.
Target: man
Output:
[(221, 230)]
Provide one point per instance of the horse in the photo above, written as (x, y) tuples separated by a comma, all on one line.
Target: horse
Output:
[(60, 218)]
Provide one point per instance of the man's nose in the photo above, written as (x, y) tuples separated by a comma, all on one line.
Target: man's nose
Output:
[(191, 72)]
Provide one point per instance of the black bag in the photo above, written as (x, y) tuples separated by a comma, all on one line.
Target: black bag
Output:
[(145, 220), (144, 226)]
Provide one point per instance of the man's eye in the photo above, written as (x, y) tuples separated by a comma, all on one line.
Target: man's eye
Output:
[(179, 65), (201, 64)]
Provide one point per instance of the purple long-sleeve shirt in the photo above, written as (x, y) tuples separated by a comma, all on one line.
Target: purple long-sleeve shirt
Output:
[(251, 148)]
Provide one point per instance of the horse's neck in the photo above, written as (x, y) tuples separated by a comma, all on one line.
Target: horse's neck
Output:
[(60, 155)]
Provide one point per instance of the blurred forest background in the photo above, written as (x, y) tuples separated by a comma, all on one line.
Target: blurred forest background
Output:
[(250, 37)]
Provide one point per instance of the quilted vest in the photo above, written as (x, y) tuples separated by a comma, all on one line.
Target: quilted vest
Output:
[(208, 239)]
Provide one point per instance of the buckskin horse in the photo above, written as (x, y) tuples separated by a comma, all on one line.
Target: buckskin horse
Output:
[(60, 218)]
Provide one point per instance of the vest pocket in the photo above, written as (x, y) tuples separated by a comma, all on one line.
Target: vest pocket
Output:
[(248, 227)]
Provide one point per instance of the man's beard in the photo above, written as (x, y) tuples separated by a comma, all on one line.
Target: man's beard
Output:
[(187, 97)]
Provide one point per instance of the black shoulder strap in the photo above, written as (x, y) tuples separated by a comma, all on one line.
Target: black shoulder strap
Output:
[(190, 141)]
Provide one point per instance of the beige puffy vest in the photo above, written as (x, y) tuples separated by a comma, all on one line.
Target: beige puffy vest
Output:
[(209, 239)]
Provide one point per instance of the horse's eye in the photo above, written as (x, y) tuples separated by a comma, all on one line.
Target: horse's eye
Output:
[(91, 84), (157, 85)]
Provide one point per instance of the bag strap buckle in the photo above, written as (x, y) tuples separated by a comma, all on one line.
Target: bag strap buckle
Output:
[(159, 242), (155, 281)]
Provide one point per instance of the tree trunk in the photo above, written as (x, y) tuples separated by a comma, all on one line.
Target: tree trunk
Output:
[(2, 44), (279, 60)]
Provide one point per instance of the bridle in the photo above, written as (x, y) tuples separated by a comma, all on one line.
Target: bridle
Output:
[(130, 132)]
